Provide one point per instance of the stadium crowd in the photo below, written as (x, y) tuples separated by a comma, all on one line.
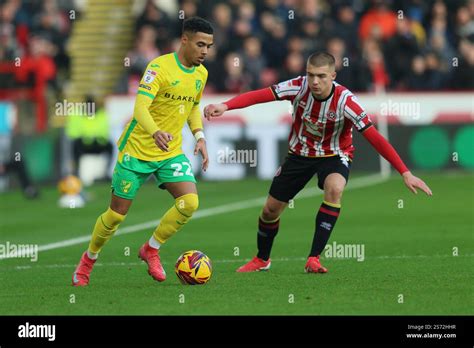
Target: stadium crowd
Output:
[(379, 44), (35, 32), (391, 45)]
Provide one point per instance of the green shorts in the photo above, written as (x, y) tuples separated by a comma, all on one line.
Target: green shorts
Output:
[(132, 172)]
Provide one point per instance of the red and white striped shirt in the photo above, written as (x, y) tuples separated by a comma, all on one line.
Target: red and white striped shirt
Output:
[(321, 127)]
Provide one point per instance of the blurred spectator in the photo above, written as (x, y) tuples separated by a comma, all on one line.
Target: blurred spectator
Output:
[(190, 8), (240, 31), (311, 32), (253, 60), (247, 13), (379, 22), (38, 69), (295, 65), (438, 24), (349, 70), (415, 12), (222, 22), (90, 135), (346, 28), (9, 47), (442, 48), (11, 160), (215, 70), (399, 52), (463, 70), (235, 79), (417, 80), (278, 8), (295, 44), (312, 9), (439, 10), (273, 39), (435, 76), (465, 20), (145, 48), (144, 51), (160, 21), (373, 57), (268, 77)]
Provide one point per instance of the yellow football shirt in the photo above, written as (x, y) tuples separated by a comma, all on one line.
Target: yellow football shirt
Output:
[(171, 93)]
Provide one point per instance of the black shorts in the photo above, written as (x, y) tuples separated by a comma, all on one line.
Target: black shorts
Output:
[(296, 171)]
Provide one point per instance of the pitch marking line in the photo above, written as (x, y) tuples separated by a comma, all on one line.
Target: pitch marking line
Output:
[(281, 259), (225, 208)]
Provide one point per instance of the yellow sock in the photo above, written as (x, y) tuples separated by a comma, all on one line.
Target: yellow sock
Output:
[(104, 228), (176, 217)]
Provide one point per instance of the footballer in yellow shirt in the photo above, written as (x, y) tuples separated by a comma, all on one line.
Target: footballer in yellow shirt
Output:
[(168, 97)]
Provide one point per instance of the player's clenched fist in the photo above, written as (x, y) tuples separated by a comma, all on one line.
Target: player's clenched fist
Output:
[(162, 139), (214, 110)]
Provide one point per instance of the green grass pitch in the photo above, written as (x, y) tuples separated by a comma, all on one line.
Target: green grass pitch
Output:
[(409, 266)]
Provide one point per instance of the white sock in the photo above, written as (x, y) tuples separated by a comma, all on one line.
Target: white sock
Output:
[(154, 243), (92, 256)]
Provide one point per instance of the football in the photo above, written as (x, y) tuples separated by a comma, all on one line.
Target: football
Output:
[(193, 268), (70, 185)]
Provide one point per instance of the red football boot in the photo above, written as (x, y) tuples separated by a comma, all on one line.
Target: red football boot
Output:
[(314, 266), (255, 265), (83, 271), (151, 257)]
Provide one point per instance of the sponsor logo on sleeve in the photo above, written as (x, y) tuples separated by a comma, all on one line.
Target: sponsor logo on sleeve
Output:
[(149, 76), (141, 85)]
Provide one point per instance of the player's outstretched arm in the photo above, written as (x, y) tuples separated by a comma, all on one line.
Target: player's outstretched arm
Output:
[(241, 101), (412, 182), (384, 148)]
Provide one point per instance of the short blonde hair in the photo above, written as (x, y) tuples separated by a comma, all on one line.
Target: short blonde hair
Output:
[(319, 59)]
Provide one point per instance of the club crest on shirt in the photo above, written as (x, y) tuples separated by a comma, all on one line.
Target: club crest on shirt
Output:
[(198, 85), (331, 115)]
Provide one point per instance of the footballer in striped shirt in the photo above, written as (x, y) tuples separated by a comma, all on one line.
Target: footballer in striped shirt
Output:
[(319, 143)]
